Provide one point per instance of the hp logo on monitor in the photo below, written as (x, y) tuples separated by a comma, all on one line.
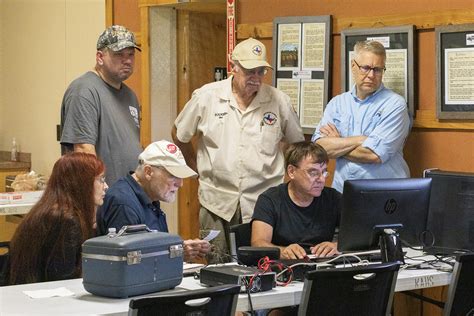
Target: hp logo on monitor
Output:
[(390, 206)]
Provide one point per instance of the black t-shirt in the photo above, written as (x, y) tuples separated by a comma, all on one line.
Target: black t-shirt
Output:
[(293, 224)]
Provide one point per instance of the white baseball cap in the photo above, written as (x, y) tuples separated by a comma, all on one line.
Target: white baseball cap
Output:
[(167, 155)]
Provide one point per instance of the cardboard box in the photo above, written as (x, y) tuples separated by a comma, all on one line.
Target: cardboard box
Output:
[(26, 197)]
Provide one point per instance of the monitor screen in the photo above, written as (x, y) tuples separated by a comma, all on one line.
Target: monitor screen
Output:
[(369, 203), (451, 217)]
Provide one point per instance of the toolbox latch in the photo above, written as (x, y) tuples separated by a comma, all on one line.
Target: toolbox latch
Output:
[(176, 251), (134, 257)]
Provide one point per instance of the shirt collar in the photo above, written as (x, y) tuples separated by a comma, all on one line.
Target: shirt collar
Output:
[(356, 98), (263, 95), (140, 193)]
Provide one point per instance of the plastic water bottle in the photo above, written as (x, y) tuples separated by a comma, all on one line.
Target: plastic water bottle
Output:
[(14, 152)]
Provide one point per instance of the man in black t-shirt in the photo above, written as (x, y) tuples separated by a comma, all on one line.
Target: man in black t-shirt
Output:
[(300, 213)]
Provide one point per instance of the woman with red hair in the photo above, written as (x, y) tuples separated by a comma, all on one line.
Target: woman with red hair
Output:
[(47, 244)]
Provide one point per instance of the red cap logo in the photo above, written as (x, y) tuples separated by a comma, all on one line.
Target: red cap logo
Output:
[(171, 148)]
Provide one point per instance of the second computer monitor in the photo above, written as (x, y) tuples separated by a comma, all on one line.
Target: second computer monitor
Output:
[(368, 206)]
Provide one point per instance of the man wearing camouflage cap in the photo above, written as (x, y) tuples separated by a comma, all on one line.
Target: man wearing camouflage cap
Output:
[(99, 113), (239, 124)]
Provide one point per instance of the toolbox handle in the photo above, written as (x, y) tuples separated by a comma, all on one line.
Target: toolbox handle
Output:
[(133, 229)]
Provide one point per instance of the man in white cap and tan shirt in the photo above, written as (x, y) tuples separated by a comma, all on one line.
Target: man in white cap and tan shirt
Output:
[(239, 125), (135, 199)]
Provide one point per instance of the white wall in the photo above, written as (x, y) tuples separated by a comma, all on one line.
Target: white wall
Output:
[(163, 80), (44, 45)]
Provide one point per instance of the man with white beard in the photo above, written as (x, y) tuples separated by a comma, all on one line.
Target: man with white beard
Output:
[(135, 199), (240, 125)]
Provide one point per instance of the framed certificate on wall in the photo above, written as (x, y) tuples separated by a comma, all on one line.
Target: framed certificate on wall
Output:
[(301, 63), (455, 71)]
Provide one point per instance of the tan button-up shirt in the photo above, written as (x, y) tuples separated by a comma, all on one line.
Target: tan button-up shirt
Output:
[(238, 153)]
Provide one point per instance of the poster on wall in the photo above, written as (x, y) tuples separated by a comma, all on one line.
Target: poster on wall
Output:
[(455, 71), (314, 46), (291, 87), (399, 65), (312, 97), (289, 46), (301, 48)]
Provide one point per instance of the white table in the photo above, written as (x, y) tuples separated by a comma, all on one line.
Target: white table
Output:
[(14, 302)]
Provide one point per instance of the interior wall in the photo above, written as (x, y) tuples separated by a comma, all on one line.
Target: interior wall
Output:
[(425, 148), (2, 114), (127, 13), (163, 92), (201, 47), (44, 46)]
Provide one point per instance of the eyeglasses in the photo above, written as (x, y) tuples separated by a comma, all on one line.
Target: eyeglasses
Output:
[(260, 71), (315, 174), (365, 69), (101, 179)]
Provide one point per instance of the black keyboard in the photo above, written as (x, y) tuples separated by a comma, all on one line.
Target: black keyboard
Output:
[(301, 266), (371, 257)]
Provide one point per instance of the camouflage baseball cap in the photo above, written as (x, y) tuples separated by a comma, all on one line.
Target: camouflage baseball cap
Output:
[(116, 37)]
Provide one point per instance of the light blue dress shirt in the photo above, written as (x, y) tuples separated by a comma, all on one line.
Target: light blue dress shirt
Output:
[(382, 117)]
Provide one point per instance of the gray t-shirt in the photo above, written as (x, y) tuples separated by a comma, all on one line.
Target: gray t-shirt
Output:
[(93, 112)]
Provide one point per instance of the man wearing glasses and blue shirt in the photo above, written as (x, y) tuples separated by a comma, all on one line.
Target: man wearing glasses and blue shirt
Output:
[(365, 129), (239, 125)]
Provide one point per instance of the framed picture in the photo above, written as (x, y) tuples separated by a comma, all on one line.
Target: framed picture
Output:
[(455, 71), (398, 42), (301, 63)]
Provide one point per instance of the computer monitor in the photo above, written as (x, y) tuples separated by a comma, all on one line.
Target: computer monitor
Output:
[(377, 211), (451, 216)]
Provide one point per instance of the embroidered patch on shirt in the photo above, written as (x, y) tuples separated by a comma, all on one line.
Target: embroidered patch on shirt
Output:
[(134, 113), (269, 118)]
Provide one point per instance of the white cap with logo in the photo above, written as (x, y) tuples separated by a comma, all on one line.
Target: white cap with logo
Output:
[(167, 155)]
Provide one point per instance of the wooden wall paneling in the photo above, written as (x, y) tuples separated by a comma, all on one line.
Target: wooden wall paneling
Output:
[(212, 6), (128, 14), (404, 305), (451, 150), (109, 12), (436, 293), (201, 47), (207, 47), (188, 221), (145, 124)]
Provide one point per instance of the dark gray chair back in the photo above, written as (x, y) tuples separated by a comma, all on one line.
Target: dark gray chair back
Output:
[(242, 233), (366, 290), (460, 299), (4, 262), (213, 301)]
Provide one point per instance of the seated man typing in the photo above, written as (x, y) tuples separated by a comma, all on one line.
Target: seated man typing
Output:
[(302, 211), (135, 199)]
